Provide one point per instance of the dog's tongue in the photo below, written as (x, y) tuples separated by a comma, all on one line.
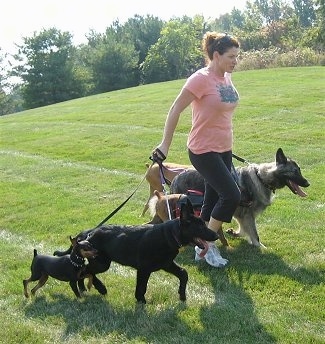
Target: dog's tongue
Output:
[(297, 189), (205, 245)]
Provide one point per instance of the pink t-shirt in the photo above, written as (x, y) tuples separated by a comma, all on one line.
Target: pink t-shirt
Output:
[(212, 111)]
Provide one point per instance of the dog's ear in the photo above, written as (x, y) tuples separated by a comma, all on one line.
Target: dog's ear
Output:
[(73, 241), (280, 157), (186, 210)]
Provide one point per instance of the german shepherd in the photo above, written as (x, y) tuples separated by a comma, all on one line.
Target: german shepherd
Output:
[(148, 247), (257, 182)]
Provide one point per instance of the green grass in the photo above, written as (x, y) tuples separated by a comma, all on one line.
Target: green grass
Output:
[(65, 167)]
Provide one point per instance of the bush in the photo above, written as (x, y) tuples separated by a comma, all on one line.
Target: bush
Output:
[(274, 57), (297, 58), (257, 59)]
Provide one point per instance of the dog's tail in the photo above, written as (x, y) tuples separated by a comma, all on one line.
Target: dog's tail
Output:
[(153, 202), (63, 253)]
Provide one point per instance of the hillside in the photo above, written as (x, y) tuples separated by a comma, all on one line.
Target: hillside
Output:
[(64, 167)]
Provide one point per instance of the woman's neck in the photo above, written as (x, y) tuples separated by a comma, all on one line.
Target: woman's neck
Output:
[(216, 70)]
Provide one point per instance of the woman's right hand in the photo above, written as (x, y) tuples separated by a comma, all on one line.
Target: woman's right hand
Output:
[(158, 155)]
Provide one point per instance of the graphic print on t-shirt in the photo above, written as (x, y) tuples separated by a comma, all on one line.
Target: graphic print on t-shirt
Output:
[(227, 94)]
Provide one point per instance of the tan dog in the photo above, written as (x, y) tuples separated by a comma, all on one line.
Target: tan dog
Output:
[(170, 170), (159, 211)]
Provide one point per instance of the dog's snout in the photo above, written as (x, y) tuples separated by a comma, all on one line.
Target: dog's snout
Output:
[(87, 246), (208, 234)]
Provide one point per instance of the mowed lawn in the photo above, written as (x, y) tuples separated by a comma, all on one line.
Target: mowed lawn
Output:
[(65, 167)]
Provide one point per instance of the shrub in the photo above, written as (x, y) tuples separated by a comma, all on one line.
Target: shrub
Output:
[(274, 57), (297, 58)]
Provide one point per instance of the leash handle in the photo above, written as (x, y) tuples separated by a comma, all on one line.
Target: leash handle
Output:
[(157, 156)]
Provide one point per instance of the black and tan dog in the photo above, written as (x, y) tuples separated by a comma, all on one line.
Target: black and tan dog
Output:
[(148, 248), (96, 265), (69, 268)]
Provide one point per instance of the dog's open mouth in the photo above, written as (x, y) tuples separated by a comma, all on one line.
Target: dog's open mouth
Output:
[(295, 188), (202, 244), (91, 255)]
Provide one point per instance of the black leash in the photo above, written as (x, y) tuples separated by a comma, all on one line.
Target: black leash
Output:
[(155, 159), (233, 169), (243, 202), (240, 159), (122, 204)]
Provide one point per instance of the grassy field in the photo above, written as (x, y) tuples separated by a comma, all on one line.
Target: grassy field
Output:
[(63, 168)]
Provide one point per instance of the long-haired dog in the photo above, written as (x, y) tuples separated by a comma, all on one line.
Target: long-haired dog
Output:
[(258, 183)]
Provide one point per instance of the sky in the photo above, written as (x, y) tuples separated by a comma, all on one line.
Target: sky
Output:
[(23, 18)]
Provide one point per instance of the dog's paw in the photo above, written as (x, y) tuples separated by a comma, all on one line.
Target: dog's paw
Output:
[(232, 232)]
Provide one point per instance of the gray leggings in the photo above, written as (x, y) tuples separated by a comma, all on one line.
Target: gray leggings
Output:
[(222, 195)]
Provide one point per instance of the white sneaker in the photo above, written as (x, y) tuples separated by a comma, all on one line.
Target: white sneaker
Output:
[(198, 251), (212, 257)]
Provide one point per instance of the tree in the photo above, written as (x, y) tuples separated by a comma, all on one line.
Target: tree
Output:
[(275, 23), (112, 60), (48, 70), (8, 103), (237, 19), (320, 30), (3, 96), (143, 32), (305, 11), (177, 52), (223, 23), (114, 66), (271, 10)]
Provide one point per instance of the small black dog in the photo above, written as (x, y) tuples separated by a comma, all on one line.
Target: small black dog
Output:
[(96, 265), (149, 248), (69, 268)]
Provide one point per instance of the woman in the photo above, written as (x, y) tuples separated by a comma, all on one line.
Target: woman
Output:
[(213, 99)]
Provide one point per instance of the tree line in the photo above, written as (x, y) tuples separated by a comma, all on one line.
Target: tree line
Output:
[(146, 49)]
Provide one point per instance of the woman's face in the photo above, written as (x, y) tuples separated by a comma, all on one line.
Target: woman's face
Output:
[(227, 61)]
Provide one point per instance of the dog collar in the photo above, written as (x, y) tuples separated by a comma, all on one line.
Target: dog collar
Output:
[(82, 260), (174, 238), (177, 239), (262, 181)]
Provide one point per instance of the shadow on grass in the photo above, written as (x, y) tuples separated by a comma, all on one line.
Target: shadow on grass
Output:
[(163, 326), (230, 318), (249, 260), (235, 312)]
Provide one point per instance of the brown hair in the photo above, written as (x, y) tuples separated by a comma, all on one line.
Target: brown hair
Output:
[(220, 42)]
